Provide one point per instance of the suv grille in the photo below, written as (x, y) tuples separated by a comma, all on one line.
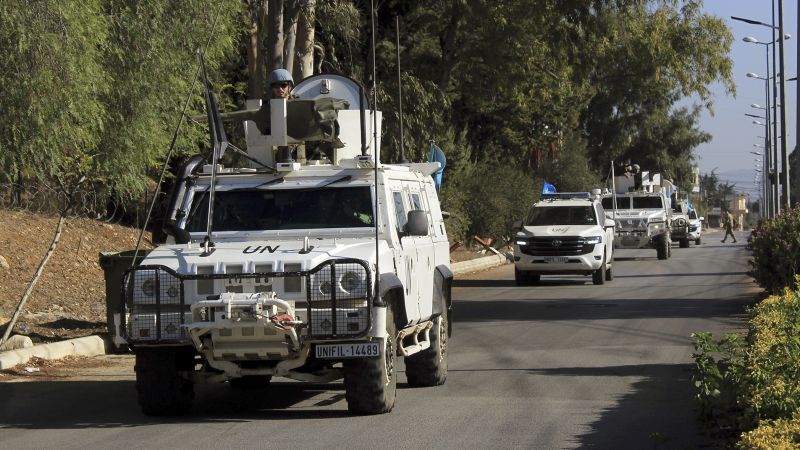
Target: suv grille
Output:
[(156, 299), (556, 246)]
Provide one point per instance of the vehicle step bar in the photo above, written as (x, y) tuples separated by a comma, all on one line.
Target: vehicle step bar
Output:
[(414, 331)]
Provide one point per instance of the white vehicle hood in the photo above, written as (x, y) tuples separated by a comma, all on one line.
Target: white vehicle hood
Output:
[(561, 230), (186, 258), (648, 214)]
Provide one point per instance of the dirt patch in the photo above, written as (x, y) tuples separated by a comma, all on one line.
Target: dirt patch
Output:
[(43, 369), (69, 299)]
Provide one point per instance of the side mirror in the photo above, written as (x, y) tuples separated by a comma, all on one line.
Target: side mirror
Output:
[(417, 224), (517, 225), (702, 218), (609, 223), (445, 215)]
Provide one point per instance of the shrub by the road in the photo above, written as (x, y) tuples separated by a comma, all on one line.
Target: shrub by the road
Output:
[(775, 244), (752, 386)]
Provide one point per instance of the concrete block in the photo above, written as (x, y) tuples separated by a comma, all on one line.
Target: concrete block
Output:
[(85, 346)]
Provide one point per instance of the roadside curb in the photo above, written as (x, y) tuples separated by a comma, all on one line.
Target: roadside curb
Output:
[(85, 346), (474, 265)]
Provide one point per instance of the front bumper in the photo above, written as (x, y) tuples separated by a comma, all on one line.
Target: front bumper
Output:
[(162, 307), (574, 264), (632, 239)]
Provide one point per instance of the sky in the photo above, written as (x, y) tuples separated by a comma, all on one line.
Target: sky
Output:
[(733, 133)]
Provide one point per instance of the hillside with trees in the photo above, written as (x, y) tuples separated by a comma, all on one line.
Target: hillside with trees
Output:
[(519, 91)]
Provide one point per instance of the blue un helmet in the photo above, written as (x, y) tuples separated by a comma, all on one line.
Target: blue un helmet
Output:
[(279, 76)]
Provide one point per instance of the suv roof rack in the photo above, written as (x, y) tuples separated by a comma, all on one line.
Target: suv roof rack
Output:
[(566, 195)]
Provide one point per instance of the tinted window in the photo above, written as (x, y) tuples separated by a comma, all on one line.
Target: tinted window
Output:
[(622, 203), (693, 214), (252, 209), (561, 215), (647, 203)]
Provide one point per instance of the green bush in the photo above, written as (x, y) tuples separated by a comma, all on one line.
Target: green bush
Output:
[(776, 251), (754, 384), (780, 434)]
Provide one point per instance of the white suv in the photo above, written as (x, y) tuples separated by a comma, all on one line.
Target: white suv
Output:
[(695, 226), (565, 233)]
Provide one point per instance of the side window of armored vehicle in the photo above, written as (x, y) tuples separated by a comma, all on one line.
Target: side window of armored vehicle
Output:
[(418, 204), (647, 203), (693, 214), (400, 215)]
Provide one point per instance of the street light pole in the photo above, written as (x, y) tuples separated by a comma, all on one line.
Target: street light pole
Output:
[(784, 154)]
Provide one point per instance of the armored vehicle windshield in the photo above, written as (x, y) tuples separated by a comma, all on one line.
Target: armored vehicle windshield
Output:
[(285, 209)]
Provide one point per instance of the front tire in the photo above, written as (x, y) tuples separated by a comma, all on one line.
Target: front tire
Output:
[(685, 243), (429, 367), (662, 247), (250, 382), (370, 384), (161, 389), (697, 241), (598, 276), (523, 278)]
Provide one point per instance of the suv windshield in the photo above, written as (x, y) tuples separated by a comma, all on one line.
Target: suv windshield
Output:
[(253, 209), (561, 215)]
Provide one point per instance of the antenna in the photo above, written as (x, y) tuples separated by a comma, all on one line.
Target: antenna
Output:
[(375, 151), (403, 159), (220, 144)]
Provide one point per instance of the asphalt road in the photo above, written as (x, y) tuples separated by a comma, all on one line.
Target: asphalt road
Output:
[(565, 364)]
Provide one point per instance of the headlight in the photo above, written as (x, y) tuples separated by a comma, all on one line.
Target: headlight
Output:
[(149, 287), (350, 282), (656, 225), (522, 243), (353, 283), (594, 240)]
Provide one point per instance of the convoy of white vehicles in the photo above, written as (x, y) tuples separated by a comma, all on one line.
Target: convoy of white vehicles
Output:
[(326, 269), (318, 262)]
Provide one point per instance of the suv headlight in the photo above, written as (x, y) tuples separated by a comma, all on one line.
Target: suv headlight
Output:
[(655, 226), (350, 282), (594, 240)]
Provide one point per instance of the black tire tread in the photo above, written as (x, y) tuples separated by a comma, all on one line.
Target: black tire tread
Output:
[(161, 390), (365, 391), (429, 367)]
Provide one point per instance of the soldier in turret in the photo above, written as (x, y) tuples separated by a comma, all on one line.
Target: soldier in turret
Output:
[(280, 83)]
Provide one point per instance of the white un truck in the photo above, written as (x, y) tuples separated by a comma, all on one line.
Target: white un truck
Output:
[(316, 262), (642, 214)]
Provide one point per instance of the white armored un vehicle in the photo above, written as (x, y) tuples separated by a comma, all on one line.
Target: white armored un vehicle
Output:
[(316, 262), (643, 216)]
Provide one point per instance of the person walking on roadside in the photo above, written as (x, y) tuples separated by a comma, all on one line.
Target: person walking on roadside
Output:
[(727, 222)]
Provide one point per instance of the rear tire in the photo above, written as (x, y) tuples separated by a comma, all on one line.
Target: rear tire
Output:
[(370, 384), (685, 243), (161, 389), (610, 273), (429, 367)]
